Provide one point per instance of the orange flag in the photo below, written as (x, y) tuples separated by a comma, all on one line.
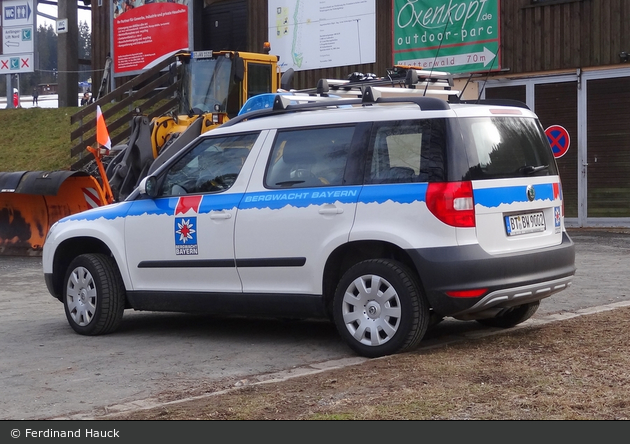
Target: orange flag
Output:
[(102, 136)]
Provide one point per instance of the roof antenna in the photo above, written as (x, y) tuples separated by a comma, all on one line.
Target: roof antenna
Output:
[(487, 75), (461, 94), (448, 18)]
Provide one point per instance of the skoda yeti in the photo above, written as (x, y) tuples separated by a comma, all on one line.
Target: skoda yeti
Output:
[(382, 217)]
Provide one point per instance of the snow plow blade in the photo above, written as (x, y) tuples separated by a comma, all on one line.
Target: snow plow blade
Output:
[(32, 201)]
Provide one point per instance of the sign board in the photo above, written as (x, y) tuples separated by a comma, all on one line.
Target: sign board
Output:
[(18, 36), (446, 35), (17, 40), (17, 12), (15, 64), (144, 32), (326, 33), (62, 26), (559, 140)]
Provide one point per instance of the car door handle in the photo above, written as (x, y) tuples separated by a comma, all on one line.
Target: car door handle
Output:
[(331, 209), (220, 215)]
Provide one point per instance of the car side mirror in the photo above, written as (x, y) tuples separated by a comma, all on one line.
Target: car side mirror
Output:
[(148, 186)]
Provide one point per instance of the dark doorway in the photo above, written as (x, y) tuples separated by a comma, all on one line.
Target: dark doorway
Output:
[(224, 26)]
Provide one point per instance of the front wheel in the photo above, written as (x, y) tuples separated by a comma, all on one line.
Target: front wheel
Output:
[(512, 316), (379, 308), (94, 295)]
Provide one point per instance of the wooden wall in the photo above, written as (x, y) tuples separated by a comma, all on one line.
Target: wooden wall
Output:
[(563, 34)]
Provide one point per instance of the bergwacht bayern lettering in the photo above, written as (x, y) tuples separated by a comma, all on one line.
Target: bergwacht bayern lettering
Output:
[(87, 433)]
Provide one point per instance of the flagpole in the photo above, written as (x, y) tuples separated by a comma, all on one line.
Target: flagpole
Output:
[(109, 196), (102, 138)]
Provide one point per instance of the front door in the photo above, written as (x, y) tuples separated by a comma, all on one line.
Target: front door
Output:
[(183, 240)]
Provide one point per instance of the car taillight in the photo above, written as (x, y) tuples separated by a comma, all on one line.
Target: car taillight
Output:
[(452, 203), (475, 293)]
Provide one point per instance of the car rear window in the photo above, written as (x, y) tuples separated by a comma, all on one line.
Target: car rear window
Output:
[(505, 147)]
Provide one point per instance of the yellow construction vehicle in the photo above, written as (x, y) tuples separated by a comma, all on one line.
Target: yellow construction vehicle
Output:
[(191, 93)]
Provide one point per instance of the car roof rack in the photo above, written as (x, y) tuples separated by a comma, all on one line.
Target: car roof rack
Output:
[(370, 95), (400, 77)]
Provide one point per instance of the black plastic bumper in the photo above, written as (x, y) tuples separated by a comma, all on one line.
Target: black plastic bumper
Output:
[(510, 279), (48, 278)]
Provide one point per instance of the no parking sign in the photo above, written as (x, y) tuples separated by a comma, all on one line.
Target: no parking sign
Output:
[(559, 140)]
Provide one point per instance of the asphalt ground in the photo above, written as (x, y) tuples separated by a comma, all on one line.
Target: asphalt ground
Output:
[(47, 371)]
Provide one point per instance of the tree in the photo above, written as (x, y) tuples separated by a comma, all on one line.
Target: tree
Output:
[(85, 51)]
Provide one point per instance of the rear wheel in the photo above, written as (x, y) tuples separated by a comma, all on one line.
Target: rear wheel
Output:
[(512, 316), (94, 295), (379, 308)]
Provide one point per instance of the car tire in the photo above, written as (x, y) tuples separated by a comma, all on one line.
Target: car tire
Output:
[(379, 308), (512, 316), (94, 295)]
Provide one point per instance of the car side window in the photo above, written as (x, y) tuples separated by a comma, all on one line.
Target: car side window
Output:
[(211, 166), (309, 157), (407, 151)]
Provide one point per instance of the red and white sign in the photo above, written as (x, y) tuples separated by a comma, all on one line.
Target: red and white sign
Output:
[(145, 33), (559, 140), (16, 63)]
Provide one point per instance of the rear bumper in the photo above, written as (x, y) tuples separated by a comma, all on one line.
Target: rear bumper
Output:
[(510, 279)]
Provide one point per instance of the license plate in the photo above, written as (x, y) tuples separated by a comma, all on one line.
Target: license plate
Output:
[(525, 223)]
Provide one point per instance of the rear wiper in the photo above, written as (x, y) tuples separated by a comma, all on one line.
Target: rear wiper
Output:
[(530, 169)]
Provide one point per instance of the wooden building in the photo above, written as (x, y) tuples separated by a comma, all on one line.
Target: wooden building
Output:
[(567, 59)]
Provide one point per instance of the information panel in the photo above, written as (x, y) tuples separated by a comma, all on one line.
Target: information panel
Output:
[(309, 34), (447, 35), (18, 47), (146, 32)]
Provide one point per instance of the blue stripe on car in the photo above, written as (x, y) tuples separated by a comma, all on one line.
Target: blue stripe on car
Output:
[(302, 198), (493, 197)]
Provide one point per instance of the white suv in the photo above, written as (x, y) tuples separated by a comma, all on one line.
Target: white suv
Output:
[(383, 215)]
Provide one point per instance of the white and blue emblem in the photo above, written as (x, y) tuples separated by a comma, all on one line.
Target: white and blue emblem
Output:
[(186, 236)]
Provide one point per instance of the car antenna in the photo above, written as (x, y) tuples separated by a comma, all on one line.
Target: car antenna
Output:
[(461, 94), (487, 75), (426, 86)]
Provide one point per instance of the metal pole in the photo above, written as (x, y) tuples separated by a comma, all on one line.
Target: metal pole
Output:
[(17, 85), (10, 91)]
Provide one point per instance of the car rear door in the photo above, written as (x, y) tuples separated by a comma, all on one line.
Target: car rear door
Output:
[(516, 185), (299, 207)]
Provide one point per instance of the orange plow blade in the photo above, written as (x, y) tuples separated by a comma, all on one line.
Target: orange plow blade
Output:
[(32, 201)]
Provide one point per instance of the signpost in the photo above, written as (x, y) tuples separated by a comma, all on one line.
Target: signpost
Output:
[(447, 35), (18, 40)]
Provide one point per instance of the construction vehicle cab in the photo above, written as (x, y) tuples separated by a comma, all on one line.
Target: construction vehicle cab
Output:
[(213, 85), (221, 81)]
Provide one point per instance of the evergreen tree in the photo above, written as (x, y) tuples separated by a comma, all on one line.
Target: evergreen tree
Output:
[(85, 51)]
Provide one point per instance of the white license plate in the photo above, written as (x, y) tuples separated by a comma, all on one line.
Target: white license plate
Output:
[(525, 223)]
